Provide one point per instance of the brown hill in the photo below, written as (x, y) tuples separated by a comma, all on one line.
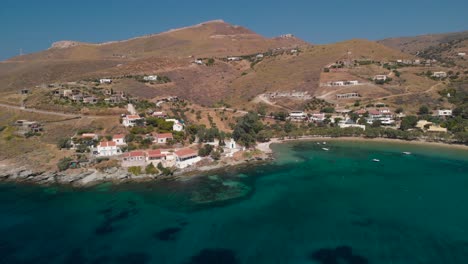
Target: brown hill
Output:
[(213, 38), (302, 72), (70, 61), (420, 43)]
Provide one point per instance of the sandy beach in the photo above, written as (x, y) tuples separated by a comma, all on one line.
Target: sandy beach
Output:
[(266, 146)]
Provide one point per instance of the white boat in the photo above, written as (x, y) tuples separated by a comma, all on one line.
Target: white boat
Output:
[(406, 153), (376, 160), (324, 143), (325, 149)]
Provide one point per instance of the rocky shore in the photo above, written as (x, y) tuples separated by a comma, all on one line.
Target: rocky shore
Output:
[(10, 172), (81, 177)]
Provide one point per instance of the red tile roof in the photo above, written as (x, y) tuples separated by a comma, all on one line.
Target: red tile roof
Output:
[(155, 153), (88, 135), (361, 111), (136, 153), (164, 135), (107, 144), (374, 112), (118, 136), (133, 117), (185, 152)]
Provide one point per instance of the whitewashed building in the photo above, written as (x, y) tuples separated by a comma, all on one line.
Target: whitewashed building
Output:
[(162, 138), (440, 74), (131, 120), (119, 139), (297, 115), (107, 148), (380, 78), (105, 81), (444, 112), (186, 157), (150, 78), (177, 126)]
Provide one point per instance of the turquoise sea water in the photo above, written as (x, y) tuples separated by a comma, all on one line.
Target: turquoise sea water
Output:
[(308, 206)]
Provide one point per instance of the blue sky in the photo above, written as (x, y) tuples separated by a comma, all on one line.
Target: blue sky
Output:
[(33, 25)]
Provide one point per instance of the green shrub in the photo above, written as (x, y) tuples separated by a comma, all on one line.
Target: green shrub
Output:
[(64, 164), (150, 169), (135, 170)]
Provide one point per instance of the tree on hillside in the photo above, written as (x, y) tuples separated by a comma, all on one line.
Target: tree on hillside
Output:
[(246, 129), (423, 110), (408, 122)]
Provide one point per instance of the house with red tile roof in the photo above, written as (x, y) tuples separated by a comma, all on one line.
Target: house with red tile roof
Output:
[(108, 148), (134, 158), (131, 120), (119, 139), (162, 138), (155, 156), (186, 157)]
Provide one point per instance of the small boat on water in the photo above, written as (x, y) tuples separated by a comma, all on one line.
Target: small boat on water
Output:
[(324, 143), (325, 149), (406, 153), (375, 160)]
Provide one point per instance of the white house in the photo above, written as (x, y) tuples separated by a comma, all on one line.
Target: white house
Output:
[(318, 117), (162, 138), (131, 120), (440, 74), (350, 123), (177, 126), (159, 114), (150, 78), (119, 139), (297, 115), (105, 81), (233, 59), (337, 83), (354, 82), (380, 78), (186, 157), (107, 148), (444, 112), (462, 54)]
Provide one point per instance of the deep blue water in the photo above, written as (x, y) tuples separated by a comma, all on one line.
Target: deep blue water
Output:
[(308, 206)]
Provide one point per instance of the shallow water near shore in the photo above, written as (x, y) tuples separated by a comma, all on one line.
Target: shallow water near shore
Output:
[(307, 206)]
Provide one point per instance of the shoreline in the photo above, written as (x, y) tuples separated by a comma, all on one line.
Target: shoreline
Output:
[(83, 178), (266, 146)]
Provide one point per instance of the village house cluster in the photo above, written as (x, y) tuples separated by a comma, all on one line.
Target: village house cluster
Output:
[(160, 150), (382, 116), (89, 96), (26, 127)]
